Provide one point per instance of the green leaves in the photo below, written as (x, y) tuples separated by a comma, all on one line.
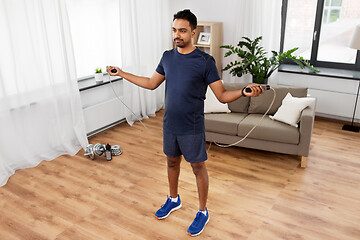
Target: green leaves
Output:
[(98, 70), (253, 59)]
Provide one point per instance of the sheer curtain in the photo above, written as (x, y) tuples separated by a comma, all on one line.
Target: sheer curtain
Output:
[(40, 110), (256, 18), (145, 33)]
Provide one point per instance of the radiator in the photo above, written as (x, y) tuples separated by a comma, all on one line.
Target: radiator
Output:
[(102, 115)]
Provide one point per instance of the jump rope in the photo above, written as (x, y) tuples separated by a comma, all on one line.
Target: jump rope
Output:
[(265, 87)]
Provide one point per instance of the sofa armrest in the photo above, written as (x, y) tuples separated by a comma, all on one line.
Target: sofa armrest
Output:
[(306, 127)]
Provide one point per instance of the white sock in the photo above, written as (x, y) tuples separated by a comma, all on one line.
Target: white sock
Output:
[(174, 199), (203, 212)]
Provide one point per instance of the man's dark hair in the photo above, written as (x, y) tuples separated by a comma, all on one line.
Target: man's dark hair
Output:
[(187, 15)]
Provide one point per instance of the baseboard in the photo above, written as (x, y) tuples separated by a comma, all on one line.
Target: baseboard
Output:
[(339, 119), (105, 127)]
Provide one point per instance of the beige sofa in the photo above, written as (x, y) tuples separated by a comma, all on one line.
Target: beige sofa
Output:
[(270, 135)]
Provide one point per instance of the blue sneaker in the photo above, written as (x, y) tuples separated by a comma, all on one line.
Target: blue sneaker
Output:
[(198, 224), (167, 208)]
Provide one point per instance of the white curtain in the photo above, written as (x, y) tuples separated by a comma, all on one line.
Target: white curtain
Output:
[(145, 33), (256, 18), (40, 109)]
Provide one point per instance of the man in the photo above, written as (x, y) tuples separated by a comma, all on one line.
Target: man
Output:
[(188, 71)]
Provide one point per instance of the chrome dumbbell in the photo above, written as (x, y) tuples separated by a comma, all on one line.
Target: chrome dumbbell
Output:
[(89, 151), (92, 150), (99, 149)]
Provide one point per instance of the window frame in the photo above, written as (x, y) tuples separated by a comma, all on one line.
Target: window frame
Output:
[(315, 41)]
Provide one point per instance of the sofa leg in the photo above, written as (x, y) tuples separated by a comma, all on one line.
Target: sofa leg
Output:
[(303, 161)]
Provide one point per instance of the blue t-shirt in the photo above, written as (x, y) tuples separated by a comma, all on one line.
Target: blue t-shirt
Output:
[(187, 77)]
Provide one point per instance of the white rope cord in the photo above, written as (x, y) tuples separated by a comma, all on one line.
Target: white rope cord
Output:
[(132, 111), (218, 144), (235, 143)]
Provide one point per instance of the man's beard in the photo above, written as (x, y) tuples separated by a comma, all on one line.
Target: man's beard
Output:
[(181, 43)]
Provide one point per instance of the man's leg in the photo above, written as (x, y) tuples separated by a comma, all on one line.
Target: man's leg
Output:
[(202, 181), (173, 202), (202, 216), (173, 169), (171, 148), (193, 148)]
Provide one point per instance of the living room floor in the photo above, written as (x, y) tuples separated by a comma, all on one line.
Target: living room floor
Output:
[(253, 194)]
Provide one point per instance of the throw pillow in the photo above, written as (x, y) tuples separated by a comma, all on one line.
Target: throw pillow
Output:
[(290, 110), (212, 104), (262, 102)]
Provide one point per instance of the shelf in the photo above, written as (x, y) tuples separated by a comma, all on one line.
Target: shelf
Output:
[(202, 45), (324, 72), (215, 30), (90, 83)]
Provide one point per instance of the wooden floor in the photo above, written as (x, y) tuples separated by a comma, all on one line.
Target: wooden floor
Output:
[(253, 194)]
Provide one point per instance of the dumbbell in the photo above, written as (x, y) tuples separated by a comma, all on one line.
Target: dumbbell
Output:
[(100, 149)]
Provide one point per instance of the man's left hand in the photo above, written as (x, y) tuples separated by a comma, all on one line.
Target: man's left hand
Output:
[(256, 90)]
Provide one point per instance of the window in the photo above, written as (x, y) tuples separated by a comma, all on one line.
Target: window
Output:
[(322, 30), (331, 11), (95, 31)]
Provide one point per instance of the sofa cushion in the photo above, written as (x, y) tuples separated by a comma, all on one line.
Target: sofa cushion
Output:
[(262, 102), (226, 123), (240, 105), (290, 110), (268, 129), (212, 104)]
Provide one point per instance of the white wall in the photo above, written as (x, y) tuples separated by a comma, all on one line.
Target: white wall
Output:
[(335, 97), (212, 11)]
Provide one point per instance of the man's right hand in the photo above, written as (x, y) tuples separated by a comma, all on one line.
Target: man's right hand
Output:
[(109, 68), (145, 82)]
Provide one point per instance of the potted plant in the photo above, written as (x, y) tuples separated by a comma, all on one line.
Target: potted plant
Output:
[(253, 60), (98, 75)]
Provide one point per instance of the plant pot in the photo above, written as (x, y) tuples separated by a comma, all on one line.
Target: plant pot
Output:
[(98, 77), (260, 81)]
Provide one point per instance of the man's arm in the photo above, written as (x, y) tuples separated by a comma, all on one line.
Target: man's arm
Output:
[(225, 96), (145, 82)]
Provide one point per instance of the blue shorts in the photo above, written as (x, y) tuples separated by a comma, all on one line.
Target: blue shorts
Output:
[(193, 147)]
